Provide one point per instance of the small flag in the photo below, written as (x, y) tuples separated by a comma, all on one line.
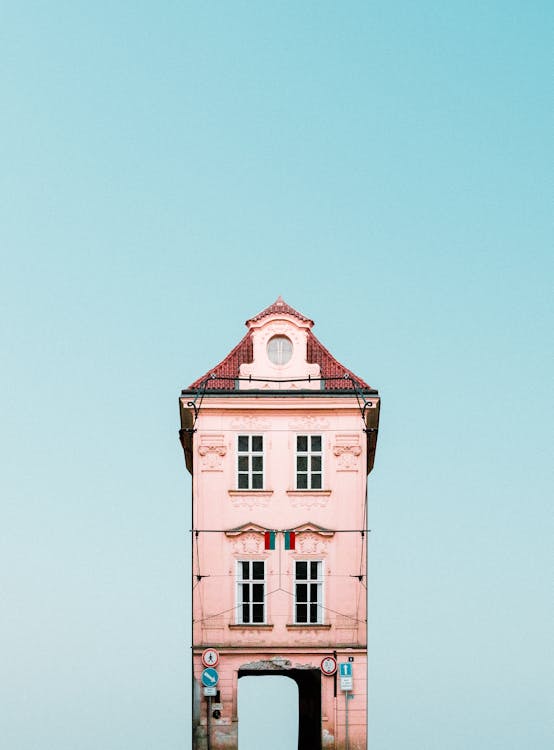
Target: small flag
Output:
[(269, 540), (290, 540)]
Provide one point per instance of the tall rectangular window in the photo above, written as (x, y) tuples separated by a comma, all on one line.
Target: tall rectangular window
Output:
[(308, 592), (250, 592), (250, 462), (309, 462)]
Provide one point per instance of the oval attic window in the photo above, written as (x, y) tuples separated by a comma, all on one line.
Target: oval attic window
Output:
[(279, 350)]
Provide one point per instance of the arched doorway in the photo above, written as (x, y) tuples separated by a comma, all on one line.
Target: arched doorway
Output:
[(267, 713), (308, 711)]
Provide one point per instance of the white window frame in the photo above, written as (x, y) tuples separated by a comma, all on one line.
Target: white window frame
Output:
[(308, 454), (250, 454), (319, 581), (279, 350), (250, 582)]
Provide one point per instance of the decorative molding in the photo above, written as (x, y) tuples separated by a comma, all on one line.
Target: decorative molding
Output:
[(249, 544), (309, 635), (309, 499), (347, 449), (211, 450), (309, 423), (249, 635), (282, 328), (250, 423), (250, 498), (308, 543)]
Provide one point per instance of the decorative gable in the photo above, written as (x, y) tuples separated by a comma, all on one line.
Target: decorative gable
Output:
[(256, 356), (280, 346)]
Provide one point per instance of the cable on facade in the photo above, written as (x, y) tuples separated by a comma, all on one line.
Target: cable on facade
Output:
[(270, 593), (280, 531)]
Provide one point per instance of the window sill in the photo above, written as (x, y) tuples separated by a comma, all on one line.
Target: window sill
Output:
[(310, 625), (249, 626), (253, 493), (303, 493)]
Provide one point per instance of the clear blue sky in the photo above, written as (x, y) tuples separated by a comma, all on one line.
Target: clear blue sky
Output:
[(168, 169)]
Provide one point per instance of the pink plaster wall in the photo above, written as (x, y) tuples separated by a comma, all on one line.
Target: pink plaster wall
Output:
[(219, 508)]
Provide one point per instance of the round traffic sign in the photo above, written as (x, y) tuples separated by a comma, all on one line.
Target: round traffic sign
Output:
[(329, 665), (210, 657), (210, 677)]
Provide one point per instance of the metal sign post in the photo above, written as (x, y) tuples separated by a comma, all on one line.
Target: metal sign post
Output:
[(346, 679), (347, 742), (209, 678), (208, 721)]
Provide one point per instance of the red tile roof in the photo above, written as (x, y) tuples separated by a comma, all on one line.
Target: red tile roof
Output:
[(224, 375), (279, 306), (330, 367), (228, 367)]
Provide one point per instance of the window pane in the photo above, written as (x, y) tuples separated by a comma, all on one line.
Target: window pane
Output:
[(316, 463), (302, 481), (279, 350), (244, 570), (301, 613), (243, 481), (257, 463), (314, 572), (301, 592), (257, 592), (302, 463), (257, 570), (302, 443), (301, 570), (243, 463), (258, 613), (246, 613), (313, 612), (245, 592), (257, 443), (316, 481), (313, 592), (316, 442), (257, 481), (243, 442)]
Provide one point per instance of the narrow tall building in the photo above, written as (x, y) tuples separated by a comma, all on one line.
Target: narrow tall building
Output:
[(279, 438)]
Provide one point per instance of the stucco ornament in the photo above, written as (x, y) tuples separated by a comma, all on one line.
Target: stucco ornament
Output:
[(266, 373), (309, 423), (250, 423), (308, 501), (310, 544), (249, 544), (212, 451), (250, 500), (281, 328), (347, 449)]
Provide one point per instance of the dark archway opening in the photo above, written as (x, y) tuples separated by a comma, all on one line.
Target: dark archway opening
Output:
[(309, 702)]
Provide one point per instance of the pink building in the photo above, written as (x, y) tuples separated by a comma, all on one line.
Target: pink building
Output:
[(279, 438)]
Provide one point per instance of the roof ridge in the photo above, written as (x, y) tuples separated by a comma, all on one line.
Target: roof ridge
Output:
[(279, 306)]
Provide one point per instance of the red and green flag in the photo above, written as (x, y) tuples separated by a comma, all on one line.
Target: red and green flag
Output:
[(290, 540), (269, 540)]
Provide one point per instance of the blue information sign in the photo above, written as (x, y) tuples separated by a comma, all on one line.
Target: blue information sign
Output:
[(345, 669), (210, 677)]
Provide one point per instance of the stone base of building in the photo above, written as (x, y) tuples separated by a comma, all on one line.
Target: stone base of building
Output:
[(325, 710)]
